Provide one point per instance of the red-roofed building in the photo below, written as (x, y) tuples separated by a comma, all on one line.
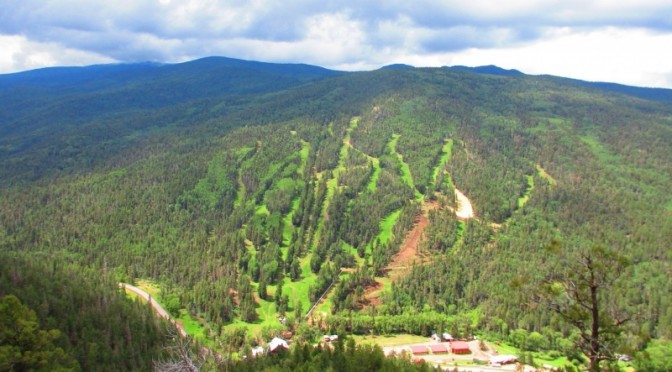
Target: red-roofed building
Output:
[(419, 349), (438, 348), (459, 347)]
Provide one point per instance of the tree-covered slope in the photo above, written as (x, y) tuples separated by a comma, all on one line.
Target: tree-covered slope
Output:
[(67, 113), (250, 203)]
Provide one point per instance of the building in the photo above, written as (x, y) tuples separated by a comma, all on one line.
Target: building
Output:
[(448, 337), (459, 347), (256, 351), (277, 343), (419, 349), (330, 338), (503, 359), (438, 349)]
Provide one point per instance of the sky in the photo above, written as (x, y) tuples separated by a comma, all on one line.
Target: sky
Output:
[(624, 41)]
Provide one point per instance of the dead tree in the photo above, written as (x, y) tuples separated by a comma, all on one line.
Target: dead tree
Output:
[(578, 294)]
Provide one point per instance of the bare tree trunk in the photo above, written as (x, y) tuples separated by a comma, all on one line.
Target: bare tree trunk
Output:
[(595, 331)]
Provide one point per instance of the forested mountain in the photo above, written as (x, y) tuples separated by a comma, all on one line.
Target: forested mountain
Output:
[(246, 190)]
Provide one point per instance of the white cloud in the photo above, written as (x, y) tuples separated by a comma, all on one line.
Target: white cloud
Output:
[(588, 39), (629, 56), (19, 53)]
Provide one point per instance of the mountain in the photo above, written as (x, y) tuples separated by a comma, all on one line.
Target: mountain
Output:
[(490, 69), (243, 192), (49, 110), (396, 66), (654, 94)]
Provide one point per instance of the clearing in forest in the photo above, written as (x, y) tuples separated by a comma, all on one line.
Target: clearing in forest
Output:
[(404, 260), (464, 209), (446, 153), (542, 173), (404, 168)]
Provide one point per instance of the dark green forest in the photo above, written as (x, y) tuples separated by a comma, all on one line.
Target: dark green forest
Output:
[(246, 190)]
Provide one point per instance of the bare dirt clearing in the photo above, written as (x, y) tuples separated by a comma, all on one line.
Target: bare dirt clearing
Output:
[(407, 256), (464, 209), (408, 252)]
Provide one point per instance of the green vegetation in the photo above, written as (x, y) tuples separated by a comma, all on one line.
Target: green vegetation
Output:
[(446, 152), (56, 315), (528, 192), (345, 356), (372, 186), (242, 200), (406, 175), (24, 345), (393, 340)]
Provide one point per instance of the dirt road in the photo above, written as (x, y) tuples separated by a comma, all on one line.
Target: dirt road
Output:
[(160, 311)]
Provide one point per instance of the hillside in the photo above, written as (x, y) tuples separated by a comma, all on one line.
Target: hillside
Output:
[(245, 190)]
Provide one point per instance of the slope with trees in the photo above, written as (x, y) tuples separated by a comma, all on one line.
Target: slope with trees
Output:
[(246, 203)]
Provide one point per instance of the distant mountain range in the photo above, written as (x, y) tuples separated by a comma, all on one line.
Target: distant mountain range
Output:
[(213, 70)]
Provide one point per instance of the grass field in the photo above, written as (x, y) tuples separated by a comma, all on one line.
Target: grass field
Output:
[(539, 357), (288, 227), (298, 291), (386, 226), (373, 182), (528, 192), (305, 151), (194, 328), (406, 175), (542, 173), (446, 153), (240, 194), (150, 287), (393, 340)]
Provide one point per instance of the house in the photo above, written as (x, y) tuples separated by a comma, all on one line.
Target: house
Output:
[(448, 337), (330, 338), (436, 337), (459, 347), (419, 349), (277, 343), (257, 351), (503, 359), (438, 349)]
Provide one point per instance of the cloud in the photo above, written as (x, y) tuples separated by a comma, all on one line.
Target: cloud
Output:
[(19, 53), (631, 56), (333, 33)]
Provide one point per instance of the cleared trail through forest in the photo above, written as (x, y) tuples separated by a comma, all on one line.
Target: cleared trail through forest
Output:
[(408, 252), (464, 209), (158, 309)]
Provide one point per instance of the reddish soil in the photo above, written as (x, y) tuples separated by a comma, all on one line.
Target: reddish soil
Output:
[(407, 256), (371, 296), (408, 253), (409, 248)]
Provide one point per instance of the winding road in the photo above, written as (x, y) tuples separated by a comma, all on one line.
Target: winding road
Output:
[(158, 309)]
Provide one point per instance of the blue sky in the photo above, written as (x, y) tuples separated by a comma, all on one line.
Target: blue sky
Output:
[(625, 41)]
